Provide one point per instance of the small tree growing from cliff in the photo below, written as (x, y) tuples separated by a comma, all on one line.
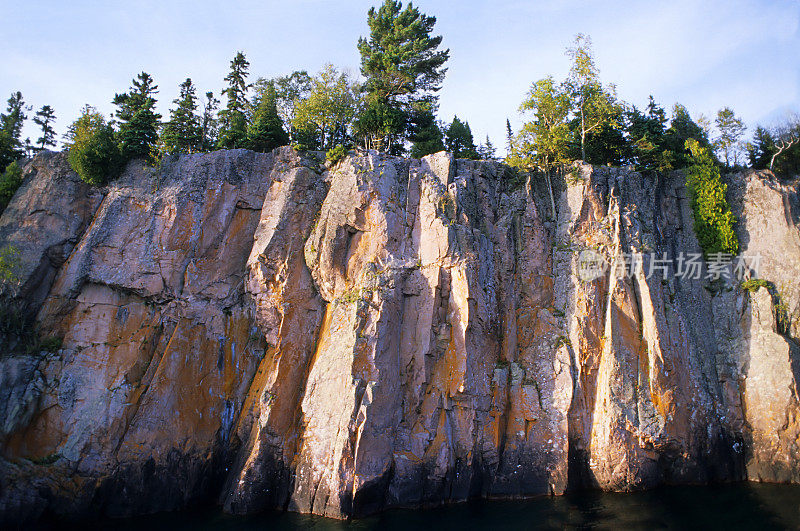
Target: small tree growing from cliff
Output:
[(93, 151)]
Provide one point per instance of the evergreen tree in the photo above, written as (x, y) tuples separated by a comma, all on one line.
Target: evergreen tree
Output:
[(138, 121), (486, 151), (509, 136), (233, 121), (11, 147), (762, 148), (10, 181), (402, 64), (266, 132), (459, 141), (290, 90), (209, 127), (424, 132), (681, 129), (731, 129), (44, 117), (183, 133), (93, 152)]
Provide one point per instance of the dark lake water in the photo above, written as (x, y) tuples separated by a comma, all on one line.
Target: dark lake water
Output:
[(744, 506)]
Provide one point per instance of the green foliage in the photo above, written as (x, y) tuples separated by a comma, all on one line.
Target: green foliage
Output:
[(424, 132), (138, 121), (290, 90), (459, 141), (93, 151), (402, 64), (595, 106), (752, 285), (731, 130), (486, 151), (10, 181), (50, 344), (325, 118), (233, 122), (10, 265), (544, 141), (777, 149), (713, 219), (11, 122), (335, 154), (183, 133), (266, 132), (209, 124), (44, 117)]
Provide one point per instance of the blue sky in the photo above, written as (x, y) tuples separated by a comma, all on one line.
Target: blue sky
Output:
[(704, 54)]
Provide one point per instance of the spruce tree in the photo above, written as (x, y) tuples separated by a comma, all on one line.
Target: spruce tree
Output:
[(138, 121), (402, 64), (43, 119), (425, 134), (11, 146), (210, 125), (233, 121), (459, 141), (183, 133), (266, 132)]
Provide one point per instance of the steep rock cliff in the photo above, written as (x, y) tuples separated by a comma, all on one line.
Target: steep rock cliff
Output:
[(271, 332)]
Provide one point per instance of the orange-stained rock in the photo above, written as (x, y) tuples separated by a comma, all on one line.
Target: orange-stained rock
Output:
[(266, 330)]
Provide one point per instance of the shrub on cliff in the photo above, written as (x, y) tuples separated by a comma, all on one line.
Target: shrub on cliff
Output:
[(9, 182), (713, 219), (93, 151)]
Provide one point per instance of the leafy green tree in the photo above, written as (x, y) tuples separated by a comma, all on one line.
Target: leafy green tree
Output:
[(10, 181), (543, 143), (183, 133), (232, 119), (138, 121), (44, 117), (713, 219), (424, 132), (11, 147), (731, 129), (266, 132), (93, 151), (595, 106), (325, 118), (402, 64), (209, 124), (459, 141), (290, 90)]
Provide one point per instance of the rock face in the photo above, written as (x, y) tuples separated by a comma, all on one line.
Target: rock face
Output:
[(268, 331)]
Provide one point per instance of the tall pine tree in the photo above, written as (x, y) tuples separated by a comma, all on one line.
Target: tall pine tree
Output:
[(44, 117), (138, 121), (183, 133), (233, 121), (402, 64)]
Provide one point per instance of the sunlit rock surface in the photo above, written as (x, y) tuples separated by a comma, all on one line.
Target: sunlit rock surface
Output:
[(268, 331)]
